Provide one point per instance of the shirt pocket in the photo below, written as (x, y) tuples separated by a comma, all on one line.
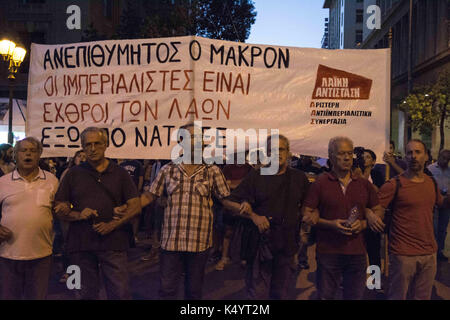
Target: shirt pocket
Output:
[(202, 188), (173, 186), (44, 198)]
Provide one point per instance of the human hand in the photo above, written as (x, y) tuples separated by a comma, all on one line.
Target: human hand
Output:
[(311, 217), (261, 222), (105, 227), (356, 227), (340, 227), (5, 234), (87, 213), (245, 208), (120, 211), (62, 208), (375, 223), (388, 158)]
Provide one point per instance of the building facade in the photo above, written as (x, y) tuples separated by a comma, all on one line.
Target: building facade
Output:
[(345, 29), (430, 54), (44, 22)]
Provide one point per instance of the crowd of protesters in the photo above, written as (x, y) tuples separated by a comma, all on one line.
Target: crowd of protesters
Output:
[(193, 212)]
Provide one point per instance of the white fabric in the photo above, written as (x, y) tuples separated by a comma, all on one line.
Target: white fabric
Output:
[(142, 98), (27, 212)]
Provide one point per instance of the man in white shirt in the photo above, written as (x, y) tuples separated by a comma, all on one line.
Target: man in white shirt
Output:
[(26, 227), (441, 173)]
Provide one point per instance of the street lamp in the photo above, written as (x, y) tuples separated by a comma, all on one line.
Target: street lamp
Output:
[(15, 55)]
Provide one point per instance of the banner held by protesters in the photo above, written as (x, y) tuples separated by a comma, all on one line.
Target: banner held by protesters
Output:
[(142, 91)]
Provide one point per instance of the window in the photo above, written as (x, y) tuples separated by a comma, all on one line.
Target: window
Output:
[(359, 36), (359, 16)]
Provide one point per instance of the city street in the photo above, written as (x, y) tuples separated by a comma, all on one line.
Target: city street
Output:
[(229, 284)]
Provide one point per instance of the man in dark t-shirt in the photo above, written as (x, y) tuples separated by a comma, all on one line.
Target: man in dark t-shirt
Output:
[(95, 238), (274, 203)]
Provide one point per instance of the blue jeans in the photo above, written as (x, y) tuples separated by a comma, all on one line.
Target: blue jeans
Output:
[(441, 219), (173, 264), (336, 269), (114, 267)]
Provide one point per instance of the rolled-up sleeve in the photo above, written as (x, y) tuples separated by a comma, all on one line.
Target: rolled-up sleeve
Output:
[(220, 185), (157, 187)]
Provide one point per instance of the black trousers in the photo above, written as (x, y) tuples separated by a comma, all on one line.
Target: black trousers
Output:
[(373, 245), (172, 266), (272, 279), (114, 267), (336, 269), (27, 279)]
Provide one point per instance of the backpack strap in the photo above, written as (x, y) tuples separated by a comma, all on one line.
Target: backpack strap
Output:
[(398, 184), (435, 189)]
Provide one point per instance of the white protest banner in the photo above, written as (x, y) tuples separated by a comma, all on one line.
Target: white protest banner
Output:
[(143, 90)]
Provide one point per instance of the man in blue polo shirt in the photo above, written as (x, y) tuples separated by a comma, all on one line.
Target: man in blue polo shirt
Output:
[(95, 239)]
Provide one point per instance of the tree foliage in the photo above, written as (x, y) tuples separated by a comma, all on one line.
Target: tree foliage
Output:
[(166, 19), (216, 19), (225, 19), (91, 34), (130, 21), (429, 106)]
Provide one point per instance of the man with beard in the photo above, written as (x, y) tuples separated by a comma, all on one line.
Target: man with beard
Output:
[(412, 246)]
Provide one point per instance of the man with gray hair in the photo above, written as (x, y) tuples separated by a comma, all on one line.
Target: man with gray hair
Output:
[(272, 203), (95, 239), (344, 203), (26, 226)]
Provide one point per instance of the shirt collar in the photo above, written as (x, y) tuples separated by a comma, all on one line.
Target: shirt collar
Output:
[(333, 177), (87, 165), (41, 175), (199, 169)]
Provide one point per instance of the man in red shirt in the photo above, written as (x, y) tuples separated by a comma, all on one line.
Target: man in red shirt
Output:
[(412, 246), (341, 251)]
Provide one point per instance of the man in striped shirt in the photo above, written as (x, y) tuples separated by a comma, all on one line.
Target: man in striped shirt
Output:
[(188, 220)]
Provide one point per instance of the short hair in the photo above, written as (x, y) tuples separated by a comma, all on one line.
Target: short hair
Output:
[(280, 137), (72, 160), (372, 154), (100, 131), (443, 151), (333, 144), (3, 148), (32, 140), (418, 141)]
